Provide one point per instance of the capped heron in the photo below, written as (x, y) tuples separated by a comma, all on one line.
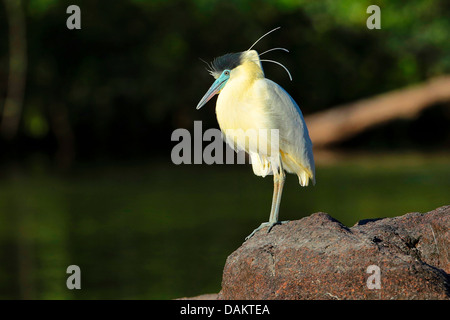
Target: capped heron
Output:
[(248, 100)]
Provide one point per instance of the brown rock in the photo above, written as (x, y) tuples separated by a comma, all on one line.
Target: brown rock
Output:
[(319, 258), (207, 296)]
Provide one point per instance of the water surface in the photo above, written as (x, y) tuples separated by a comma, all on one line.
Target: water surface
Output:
[(159, 231)]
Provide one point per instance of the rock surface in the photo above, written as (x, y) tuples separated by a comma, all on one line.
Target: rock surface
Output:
[(207, 296), (319, 258)]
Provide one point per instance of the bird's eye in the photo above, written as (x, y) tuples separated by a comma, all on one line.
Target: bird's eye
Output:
[(227, 73)]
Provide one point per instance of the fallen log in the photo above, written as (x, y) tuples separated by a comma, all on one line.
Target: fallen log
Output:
[(342, 122)]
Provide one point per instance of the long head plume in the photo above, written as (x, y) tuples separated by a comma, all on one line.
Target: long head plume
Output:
[(278, 63), (273, 49), (262, 37), (232, 60)]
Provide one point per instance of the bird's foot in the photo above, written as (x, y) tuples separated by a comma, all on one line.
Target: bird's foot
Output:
[(263, 225)]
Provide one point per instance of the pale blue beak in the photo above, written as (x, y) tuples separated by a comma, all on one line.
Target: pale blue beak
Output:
[(215, 89)]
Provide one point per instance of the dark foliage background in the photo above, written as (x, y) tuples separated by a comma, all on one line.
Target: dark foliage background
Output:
[(132, 74)]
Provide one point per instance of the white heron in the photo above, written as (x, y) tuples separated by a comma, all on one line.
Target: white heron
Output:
[(248, 100)]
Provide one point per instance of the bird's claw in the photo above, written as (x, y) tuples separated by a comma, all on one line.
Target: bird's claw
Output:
[(263, 225), (273, 225)]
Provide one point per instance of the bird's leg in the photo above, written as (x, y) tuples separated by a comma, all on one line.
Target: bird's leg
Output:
[(276, 188), (278, 183), (272, 210)]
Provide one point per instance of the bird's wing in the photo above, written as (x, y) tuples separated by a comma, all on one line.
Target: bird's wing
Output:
[(284, 114)]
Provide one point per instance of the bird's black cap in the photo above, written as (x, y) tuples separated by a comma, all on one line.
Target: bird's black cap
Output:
[(228, 61)]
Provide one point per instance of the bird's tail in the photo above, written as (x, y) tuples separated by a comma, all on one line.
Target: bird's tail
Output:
[(303, 178), (304, 174)]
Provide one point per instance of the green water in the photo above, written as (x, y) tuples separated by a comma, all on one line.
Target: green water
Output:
[(160, 231)]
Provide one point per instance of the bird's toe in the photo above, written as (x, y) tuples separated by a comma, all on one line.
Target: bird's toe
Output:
[(263, 225)]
